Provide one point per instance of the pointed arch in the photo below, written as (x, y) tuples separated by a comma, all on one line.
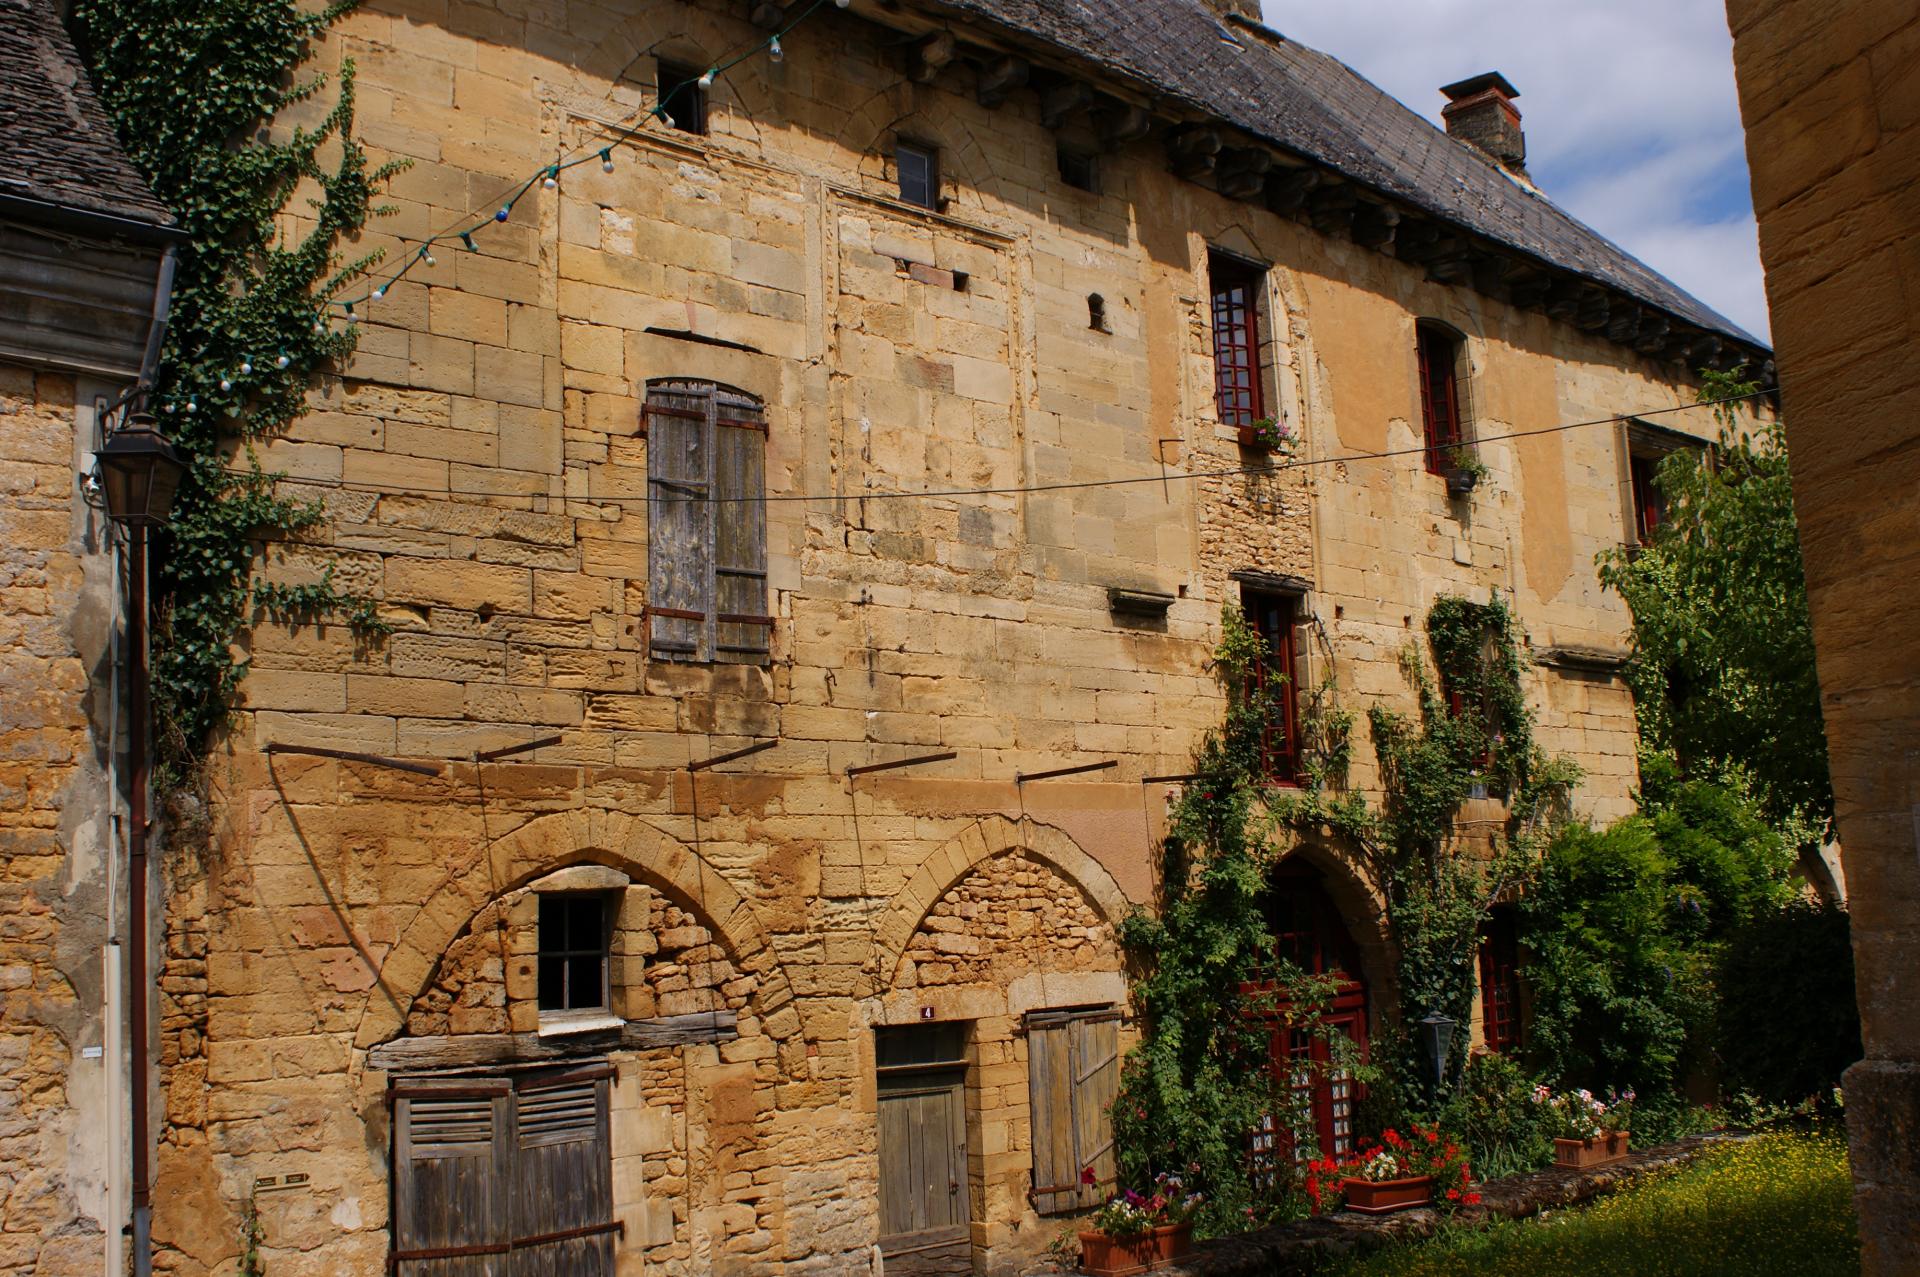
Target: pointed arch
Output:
[(614, 839), (986, 838)]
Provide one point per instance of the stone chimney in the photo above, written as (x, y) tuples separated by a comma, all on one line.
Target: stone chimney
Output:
[(1249, 9), (1480, 112)]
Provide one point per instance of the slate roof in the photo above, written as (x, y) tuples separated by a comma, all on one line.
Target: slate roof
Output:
[(56, 143), (1312, 104)]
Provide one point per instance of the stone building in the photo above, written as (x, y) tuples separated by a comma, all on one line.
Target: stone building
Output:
[(803, 535), (84, 282), (1831, 99)]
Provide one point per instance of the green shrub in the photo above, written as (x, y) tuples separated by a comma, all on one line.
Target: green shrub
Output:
[(1491, 1111), (1787, 1021)]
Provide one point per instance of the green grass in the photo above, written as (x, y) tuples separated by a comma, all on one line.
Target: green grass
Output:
[(1781, 1203)]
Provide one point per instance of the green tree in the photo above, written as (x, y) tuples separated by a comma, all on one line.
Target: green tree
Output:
[(1723, 667)]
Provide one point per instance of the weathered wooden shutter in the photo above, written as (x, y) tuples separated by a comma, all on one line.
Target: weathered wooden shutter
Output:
[(743, 630), (452, 1149), (1073, 1075), (563, 1223), (707, 523), (679, 427)]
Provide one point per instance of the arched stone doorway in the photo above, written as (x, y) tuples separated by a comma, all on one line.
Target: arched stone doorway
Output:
[(1311, 933)]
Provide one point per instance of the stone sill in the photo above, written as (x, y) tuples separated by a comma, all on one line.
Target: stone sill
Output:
[(558, 1023), (1290, 1247)]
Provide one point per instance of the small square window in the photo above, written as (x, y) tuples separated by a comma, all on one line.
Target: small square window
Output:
[(1078, 169), (919, 172), (573, 953), (681, 96)]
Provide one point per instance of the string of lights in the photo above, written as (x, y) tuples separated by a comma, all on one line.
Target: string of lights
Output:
[(1027, 489), (419, 252)]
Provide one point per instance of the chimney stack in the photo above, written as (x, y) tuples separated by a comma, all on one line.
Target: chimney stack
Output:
[(1480, 111)]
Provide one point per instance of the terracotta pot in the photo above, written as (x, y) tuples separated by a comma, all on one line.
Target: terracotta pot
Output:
[(1581, 1154), (1383, 1197), (1170, 1241), (1617, 1144), (1250, 438), (1104, 1256)]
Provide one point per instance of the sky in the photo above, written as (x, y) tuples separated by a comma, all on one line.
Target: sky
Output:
[(1629, 108)]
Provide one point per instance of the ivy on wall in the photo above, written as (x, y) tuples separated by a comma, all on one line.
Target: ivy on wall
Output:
[(194, 86)]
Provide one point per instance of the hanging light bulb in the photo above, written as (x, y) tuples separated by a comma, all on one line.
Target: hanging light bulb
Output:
[(506, 211), (427, 257), (246, 368), (282, 362), (840, 4), (774, 50), (225, 384), (320, 323), (192, 404), (553, 177), (606, 160), (351, 317), (379, 292), (706, 81)]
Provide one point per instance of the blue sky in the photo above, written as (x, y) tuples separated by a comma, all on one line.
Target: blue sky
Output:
[(1629, 106)]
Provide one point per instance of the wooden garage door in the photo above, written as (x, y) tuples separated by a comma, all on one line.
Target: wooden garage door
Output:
[(503, 1177)]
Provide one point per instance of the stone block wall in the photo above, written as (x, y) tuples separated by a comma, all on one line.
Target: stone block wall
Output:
[(1830, 95), (484, 472)]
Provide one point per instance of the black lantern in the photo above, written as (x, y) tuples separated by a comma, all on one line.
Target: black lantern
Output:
[(1436, 1032), (139, 473)]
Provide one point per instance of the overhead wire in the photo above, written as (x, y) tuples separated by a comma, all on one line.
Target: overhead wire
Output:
[(1068, 485)]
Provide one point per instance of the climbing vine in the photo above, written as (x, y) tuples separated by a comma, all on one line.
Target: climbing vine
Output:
[(195, 87), (1211, 988)]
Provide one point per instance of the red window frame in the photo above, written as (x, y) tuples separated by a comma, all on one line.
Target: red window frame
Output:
[(1649, 504), (1438, 352), (1276, 618), (1238, 395), (1500, 981)]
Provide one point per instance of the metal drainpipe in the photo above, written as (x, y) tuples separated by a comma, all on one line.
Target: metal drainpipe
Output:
[(113, 953), (138, 895)]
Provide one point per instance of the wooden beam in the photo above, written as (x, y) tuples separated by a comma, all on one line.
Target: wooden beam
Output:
[(1061, 101), (1374, 224), (1119, 123), (1596, 305), (467, 1050), (930, 55), (1330, 208), (1652, 334), (1287, 192), (1623, 320), (999, 78)]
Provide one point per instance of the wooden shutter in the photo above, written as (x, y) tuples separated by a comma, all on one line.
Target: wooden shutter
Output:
[(679, 426), (452, 1151), (1073, 1075), (707, 523), (743, 630), (563, 1223)]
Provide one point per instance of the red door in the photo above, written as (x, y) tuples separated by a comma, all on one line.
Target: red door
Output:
[(1309, 932)]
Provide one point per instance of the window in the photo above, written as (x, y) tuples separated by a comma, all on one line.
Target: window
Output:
[(1275, 616), (706, 523), (1500, 980), (1439, 357), (918, 168), (1649, 503), (1078, 169), (573, 953), (1073, 1075), (1097, 313), (1236, 288), (1647, 446), (681, 95)]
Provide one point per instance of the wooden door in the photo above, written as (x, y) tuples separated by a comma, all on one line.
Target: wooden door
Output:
[(1073, 1074), (925, 1205), (563, 1175), (452, 1147)]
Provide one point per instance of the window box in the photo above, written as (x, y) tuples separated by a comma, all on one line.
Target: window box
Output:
[(1383, 1197), (1580, 1155)]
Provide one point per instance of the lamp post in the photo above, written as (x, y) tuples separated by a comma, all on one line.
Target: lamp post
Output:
[(139, 473), (1436, 1031)]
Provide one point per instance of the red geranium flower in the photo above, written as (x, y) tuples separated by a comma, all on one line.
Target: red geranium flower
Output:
[(1087, 1176)]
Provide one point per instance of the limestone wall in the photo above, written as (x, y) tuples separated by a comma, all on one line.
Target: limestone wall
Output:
[(56, 1125), (484, 472)]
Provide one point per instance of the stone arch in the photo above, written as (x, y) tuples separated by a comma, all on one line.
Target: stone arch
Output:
[(1362, 906), (697, 38), (984, 839), (615, 839), (961, 156)]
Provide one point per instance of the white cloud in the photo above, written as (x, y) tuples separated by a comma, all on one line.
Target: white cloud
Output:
[(1632, 120)]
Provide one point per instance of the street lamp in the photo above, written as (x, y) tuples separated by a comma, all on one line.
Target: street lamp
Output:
[(1436, 1031), (139, 473)]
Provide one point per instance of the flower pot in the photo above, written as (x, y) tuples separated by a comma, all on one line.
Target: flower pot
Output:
[(1616, 1144), (1171, 1241), (1581, 1154), (1249, 437), (1105, 1256), (1383, 1197), (1460, 482)]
